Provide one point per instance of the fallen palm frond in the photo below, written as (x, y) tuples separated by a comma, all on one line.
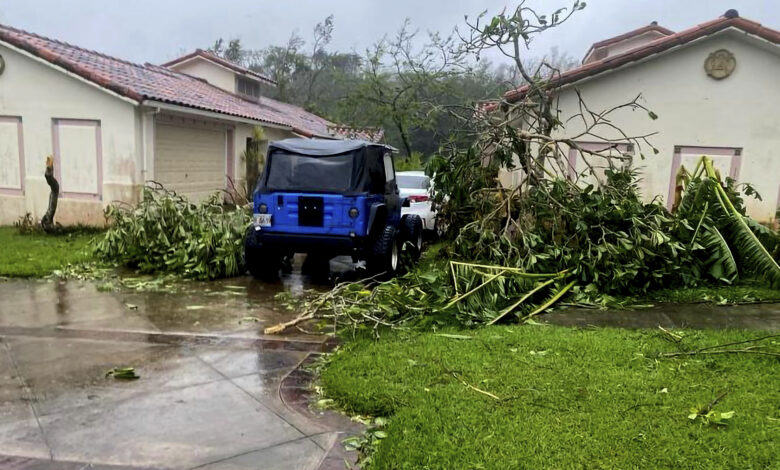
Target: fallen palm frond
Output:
[(728, 242)]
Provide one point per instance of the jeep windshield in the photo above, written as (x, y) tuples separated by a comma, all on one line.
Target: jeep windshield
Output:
[(293, 172)]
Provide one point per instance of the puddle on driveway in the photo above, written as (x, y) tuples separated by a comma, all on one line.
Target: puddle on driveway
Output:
[(236, 307)]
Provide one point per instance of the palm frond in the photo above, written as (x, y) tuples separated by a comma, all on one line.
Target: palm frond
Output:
[(751, 251), (721, 263)]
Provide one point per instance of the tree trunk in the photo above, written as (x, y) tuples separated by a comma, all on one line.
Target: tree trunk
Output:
[(47, 222)]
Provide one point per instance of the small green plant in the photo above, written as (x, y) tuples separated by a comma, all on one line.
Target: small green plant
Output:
[(26, 225), (708, 416), (366, 444), (166, 233)]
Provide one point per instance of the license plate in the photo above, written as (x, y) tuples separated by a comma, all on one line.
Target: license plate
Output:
[(263, 220)]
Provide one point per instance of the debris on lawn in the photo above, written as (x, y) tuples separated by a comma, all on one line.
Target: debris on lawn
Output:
[(708, 415), (751, 346)]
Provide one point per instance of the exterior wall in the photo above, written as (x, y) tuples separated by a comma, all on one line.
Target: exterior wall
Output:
[(215, 74), (40, 94), (694, 110)]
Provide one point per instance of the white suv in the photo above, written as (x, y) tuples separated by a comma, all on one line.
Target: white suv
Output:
[(416, 191)]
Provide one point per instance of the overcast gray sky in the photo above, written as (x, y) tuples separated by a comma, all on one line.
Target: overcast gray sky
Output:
[(159, 30)]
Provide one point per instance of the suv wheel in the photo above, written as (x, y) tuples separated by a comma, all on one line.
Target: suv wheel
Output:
[(384, 255), (413, 233)]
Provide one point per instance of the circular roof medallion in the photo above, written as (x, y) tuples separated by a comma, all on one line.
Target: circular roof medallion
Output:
[(720, 64)]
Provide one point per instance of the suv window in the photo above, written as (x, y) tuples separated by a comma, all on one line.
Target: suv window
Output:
[(291, 172), (389, 173)]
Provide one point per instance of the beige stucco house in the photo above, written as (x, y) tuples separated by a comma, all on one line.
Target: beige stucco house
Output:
[(715, 89), (112, 125)]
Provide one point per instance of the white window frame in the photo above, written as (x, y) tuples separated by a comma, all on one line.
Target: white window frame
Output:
[(20, 143)]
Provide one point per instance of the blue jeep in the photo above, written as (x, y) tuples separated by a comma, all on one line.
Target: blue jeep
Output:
[(329, 198)]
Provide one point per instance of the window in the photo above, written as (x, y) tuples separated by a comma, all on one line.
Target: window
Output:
[(291, 172), (78, 157), (413, 181), (11, 155), (247, 87), (389, 171)]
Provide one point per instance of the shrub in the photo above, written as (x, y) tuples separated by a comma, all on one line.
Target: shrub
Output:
[(166, 233)]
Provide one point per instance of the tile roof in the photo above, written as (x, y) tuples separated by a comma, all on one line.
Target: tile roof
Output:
[(153, 82), (219, 60), (639, 31), (730, 20)]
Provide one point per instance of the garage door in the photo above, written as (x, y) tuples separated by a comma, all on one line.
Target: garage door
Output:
[(190, 159)]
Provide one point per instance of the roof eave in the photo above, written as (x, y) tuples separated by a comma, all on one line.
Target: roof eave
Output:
[(198, 54), (183, 108), (71, 70)]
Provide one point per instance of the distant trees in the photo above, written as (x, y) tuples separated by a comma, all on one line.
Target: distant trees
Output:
[(405, 84)]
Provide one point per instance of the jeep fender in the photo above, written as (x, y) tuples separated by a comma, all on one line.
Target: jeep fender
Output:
[(377, 217)]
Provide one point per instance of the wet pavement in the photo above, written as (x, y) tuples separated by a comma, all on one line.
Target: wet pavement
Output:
[(211, 395), (758, 316)]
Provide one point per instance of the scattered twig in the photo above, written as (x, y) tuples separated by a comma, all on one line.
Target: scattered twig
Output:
[(718, 348), (475, 388), (725, 351)]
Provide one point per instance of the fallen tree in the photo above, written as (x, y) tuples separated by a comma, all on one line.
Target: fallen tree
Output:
[(515, 252), (166, 233)]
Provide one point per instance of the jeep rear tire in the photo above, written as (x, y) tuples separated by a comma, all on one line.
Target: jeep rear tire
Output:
[(261, 263), (413, 233), (384, 255)]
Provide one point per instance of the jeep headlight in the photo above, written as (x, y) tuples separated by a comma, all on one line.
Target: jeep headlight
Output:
[(354, 212), (263, 209)]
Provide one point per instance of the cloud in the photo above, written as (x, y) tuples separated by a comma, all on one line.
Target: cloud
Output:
[(159, 30)]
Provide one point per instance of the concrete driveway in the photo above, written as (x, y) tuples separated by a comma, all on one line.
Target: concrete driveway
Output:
[(211, 393)]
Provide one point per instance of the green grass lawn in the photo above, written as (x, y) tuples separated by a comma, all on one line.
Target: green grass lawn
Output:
[(38, 255), (567, 398)]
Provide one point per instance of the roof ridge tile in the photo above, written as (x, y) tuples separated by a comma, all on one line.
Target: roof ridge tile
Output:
[(655, 46)]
